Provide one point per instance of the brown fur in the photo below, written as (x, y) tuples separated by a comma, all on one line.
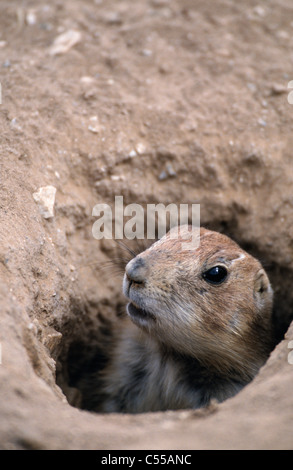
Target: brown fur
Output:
[(197, 341)]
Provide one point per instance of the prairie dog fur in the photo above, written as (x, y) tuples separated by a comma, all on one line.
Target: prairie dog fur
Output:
[(198, 327)]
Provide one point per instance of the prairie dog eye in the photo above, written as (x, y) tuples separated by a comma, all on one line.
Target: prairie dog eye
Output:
[(215, 275)]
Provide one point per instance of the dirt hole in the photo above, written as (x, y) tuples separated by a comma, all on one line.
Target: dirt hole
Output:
[(89, 331)]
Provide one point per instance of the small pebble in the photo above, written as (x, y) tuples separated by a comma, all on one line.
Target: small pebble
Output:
[(170, 170), (262, 122), (65, 41), (15, 125), (278, 89), (45, 198), (147, 52), (117, 178), (87, 80), (259, 10), (113, 17), (94, 129), (163, 175), (140, 148), (31, 17)]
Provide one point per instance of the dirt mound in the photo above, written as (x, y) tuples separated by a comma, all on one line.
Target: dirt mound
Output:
[(170, 101)]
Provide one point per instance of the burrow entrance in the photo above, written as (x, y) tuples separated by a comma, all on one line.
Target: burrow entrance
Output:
[(87, 334)]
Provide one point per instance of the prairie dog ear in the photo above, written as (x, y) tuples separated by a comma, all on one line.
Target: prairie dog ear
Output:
[(261, 282)]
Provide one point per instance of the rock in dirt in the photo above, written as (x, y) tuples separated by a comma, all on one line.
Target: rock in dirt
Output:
[(64, 42), (45, 198)]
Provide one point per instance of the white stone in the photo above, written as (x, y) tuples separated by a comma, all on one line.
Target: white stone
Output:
[(31, 17), (132, 153), (87, 80), (259, 10), (45, 198), (65, 41), (140, 148), (94, 129)]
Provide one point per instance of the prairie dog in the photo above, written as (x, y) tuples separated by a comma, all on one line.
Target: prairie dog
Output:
[(198, 327)]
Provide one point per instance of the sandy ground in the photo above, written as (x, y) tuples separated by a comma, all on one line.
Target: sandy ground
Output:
[(158, 101)]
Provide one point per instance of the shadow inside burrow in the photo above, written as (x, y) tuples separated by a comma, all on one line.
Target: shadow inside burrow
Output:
[(87, 338)]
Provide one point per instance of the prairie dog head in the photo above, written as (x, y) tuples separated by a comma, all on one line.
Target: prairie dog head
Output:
[(213, 303)]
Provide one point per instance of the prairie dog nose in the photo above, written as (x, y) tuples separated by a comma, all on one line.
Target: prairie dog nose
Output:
[(136, 270)]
